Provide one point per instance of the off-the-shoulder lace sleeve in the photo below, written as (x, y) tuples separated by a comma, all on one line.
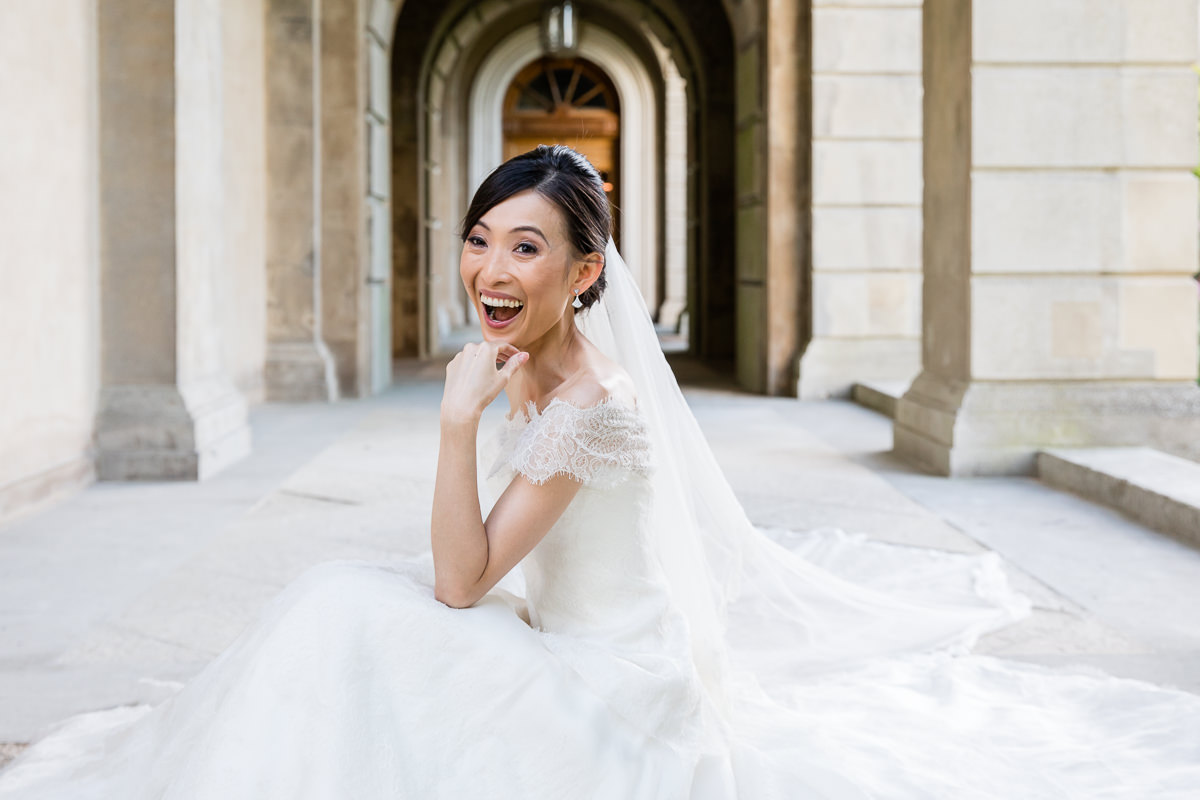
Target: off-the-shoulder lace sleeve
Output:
[(600, 445)]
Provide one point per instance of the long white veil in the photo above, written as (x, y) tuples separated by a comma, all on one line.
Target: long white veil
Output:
[(754, 606)]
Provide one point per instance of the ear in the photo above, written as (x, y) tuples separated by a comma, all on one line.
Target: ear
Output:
[(586, 270)]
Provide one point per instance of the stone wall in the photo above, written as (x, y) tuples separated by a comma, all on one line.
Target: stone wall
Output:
[(49, 259), (1060, 233), (865, 285)]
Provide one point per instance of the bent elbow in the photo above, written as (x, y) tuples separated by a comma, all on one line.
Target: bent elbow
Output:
[(454, 597)]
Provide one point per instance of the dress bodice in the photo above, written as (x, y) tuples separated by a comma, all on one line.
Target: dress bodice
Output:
[(594, 573), (594, 584)]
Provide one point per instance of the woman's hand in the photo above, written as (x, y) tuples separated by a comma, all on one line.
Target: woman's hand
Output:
[(473, 380)]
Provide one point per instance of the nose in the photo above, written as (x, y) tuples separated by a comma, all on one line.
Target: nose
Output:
[(494, 269)]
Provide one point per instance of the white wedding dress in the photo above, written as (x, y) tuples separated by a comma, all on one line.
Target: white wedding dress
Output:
[(354, 682), (652, 646)]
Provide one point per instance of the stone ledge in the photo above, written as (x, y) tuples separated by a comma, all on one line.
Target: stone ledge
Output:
[(1155, 488), (879, 396)]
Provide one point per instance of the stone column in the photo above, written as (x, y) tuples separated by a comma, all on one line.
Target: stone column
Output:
[(1060, 233), (865, 301), (343, 166), (299, 366), (673, 281), (167, 407), (378, 196), (788, 187), (750, 232), (772, 198)]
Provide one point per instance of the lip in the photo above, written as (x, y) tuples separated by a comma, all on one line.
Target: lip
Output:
[(491, 323), (498, 295)]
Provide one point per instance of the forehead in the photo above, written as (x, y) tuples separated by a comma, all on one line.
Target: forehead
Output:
[(525, 208)]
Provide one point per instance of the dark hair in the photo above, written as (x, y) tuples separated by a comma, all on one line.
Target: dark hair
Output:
[(564, 177)]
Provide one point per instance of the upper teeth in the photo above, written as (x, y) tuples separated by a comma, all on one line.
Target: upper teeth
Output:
[(499, 302)]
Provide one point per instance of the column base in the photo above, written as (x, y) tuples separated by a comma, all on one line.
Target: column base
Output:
[(300, 372), (34, 491), (170, 433), (960, 428), (670, 314), (831, 367)]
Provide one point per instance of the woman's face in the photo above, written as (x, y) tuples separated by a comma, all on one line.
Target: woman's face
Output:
[(517, 265)]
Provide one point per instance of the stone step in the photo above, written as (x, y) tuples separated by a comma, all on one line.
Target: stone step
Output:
[(879, 396), (1155, 488)]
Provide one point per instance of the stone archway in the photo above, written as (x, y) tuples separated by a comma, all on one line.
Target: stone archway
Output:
[(640, 133), (418, 53)]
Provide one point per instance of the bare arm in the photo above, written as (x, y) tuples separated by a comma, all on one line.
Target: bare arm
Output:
[(469, 554)]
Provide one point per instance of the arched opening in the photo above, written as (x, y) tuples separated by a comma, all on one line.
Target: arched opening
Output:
[(456, 111), (567, 101)]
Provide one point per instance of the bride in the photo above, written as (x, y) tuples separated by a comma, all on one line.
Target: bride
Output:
[(652, 643)]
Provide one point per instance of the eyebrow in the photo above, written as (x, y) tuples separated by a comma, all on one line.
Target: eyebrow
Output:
[(530, 228)]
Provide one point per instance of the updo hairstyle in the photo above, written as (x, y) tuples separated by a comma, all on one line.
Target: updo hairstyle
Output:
[(568, 180)]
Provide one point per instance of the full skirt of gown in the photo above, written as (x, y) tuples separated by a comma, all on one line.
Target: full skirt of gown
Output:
[(355, 682), (576, 677)]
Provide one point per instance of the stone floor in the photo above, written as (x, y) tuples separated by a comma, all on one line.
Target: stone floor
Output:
[(124, 590)]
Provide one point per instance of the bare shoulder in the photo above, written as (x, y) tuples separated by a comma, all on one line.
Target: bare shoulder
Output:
[(599, 380)]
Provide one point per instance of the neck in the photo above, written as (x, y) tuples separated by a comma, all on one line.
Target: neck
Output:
[(552, 359)]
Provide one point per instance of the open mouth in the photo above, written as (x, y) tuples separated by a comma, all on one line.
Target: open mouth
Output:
[(500, 310)]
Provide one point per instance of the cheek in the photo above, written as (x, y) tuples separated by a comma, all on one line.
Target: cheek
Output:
[(549, 290), (466, 271)]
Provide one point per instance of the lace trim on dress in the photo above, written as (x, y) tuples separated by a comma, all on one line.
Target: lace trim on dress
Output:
[(599, 445)]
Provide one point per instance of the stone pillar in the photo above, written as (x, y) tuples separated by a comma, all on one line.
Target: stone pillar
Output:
[(673, 281), (772, 199), (378, 196), (299, 366), (788, 194), (167, 407), (865, 301), (343, 166), (1060, 233)]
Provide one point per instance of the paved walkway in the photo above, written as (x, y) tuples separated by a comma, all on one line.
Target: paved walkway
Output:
[(122, 591)]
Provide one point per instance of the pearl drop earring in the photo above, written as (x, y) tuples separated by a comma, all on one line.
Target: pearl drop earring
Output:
[(577, 302)]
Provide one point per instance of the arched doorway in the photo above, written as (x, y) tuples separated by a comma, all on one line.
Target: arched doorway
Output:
[(567, 101), (672, 172)]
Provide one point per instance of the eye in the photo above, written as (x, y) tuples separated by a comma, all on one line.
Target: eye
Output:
[(475, 240), (527, 248)]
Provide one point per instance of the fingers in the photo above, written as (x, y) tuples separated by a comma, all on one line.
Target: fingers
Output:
[(512, 364)]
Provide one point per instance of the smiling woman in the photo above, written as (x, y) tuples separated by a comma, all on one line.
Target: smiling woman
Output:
[(533, 243), (653, 645)]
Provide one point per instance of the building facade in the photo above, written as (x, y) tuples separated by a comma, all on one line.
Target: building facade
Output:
[(213, 203)]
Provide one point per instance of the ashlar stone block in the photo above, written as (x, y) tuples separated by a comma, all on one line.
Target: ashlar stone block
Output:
[(1158, 316), (866, 238), (871, 40), (867, 106), (1083, 221), (867, 304), (749, 96), (1085, 116), (1084, 31), (1106, 328), (1156, 207), (751, 311), (379, 70), (1039, 221), (870, 172), (751, 233)]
